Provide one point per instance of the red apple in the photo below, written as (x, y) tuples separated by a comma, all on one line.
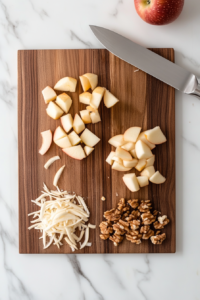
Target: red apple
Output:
[(159, 12)]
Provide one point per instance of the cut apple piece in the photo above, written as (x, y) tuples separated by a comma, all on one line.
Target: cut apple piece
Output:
[(88, 150), (119, 167), (78, 124), (157, 178), (67, 122), (93, 79), (74, 138), (150, 161), (130, 163), (54, 111), (46, 141), (89, 138), (117, 140), (95, 117), (64, 142), (85, 98), (109, 99), (49, 94), (85, 83), (129, 146), (141, 165), (85, 116), (131, 134), (143, 138), (117, 159), (155, 136), (59, 133), (142, 150), (123, 154), (75, 152), (66, 84), (91, 109), (131, 182), (64, 101), (109, 158), (143, 181), (133, 153), (97, 96), (149, 171)]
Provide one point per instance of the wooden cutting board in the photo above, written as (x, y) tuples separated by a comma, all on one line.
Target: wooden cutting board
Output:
[(144, 101)]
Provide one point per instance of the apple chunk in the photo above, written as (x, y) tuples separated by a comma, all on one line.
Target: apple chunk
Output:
[(143, 181), (133, 153), (85, 116), (75, 152), (66, 84), (88, 150), (123, 154), (155, 136), (67, 122), (89, 138), (141, 164), (142, 150), (93, 79), (54, 111), (129, 146), (117, 140), (85, 98), (95, 117), (131, 134), (109, 159), (91, 109), (143, 139), (97, 96), (149, 171), (63, 143), (59, 134), (119, 167), (130, 163), (78, 124), (117, 159), (74, 138), (109, 99), (150, 161), (64, 101), (49, 94), (85, 83), (131, 182), (46, 141), (157, 178)]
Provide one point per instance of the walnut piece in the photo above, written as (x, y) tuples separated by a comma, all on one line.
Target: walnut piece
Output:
[(121, 204), (144, 229), (104, 236), (112, 215), (135, 214), (133, 203), (148, 218), (135, 224), (145, 206), (161, 223), (148, 234), (119, 230), (106, 228), (158, 239), (134, 237), (116, 239)]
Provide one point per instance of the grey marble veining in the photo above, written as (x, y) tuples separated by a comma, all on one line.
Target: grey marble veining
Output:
[(47, 24)]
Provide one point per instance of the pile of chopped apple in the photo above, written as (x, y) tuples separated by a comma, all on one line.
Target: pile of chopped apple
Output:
[(59, 106), (134, 150)]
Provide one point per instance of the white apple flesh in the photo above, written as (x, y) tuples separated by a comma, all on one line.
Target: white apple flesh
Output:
[(59, 133), (88, 150), (95, 117), (89, 138), (63, 143), (143, 139), (123, 154), (133, 153), (66, 84), (142, 150), (97, 96), (129, 146), (67, 122), (49, 94), (75, 152), (74, 138), (119, 167), (117, 159), (91, 109), (157, 178), (54, 111), (85, 98), (150, 161), (109, 158), (143, 181), (141, 164), (155, 136), (149, 171), (85, 83), (93, 79), (131, 134), (130, 163), (78, 124), (131, 182), (109, 99), (117, 140), (64, 101), (46, 141), (85, 116)]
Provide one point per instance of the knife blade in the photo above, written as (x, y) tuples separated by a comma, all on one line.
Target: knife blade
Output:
[(148, 61)]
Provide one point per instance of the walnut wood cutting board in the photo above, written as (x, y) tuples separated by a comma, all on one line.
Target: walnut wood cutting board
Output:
[(144, 101)]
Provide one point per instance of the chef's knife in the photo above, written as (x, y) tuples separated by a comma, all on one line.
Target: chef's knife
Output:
[(148, 61)]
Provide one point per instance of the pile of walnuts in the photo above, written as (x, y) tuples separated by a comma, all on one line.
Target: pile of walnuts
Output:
[(133, 220)]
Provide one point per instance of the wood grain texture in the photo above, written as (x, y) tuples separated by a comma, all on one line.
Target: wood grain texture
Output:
[(144, 101)]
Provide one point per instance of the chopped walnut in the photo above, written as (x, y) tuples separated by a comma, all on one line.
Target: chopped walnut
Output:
[(124, 225), (134, 237), (112, 215), (119, 230), (133, 203), (121, 204), (135, 224), (135, 214), (116, 239), (158, 239), (104, 236), (145, 206), (106, 228), (147, 235), (161, 223), (144, 229), (148, 218)]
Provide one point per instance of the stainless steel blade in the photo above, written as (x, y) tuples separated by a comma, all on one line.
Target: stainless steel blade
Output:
[(148, 61)]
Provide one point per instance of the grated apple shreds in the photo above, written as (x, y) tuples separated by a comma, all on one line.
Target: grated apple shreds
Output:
[(60, 214)]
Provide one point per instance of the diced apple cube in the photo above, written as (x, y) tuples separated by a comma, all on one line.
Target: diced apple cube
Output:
[(129, 146), (117, 159), (64, 102), (131, 134), (142, 150), (54, 111), (141, 164), (63, 143), (143, 181), (59, 133), (85, 116), (123, 154), (149, 171), (91, 109), (133, 153), (155, 136), (109, 158), (67, 122), (74, 138), (66, 84), (109, 99), (131, 182), (119, 167), (88, 150), (143, 139), (78, 124), (85, 98), (150, 161), (93, 79), (75, 152), (49, 94), (97, 96), (95, 117), (85, 83), (117, 140), (89, 138), (157, 178), (130, 163)]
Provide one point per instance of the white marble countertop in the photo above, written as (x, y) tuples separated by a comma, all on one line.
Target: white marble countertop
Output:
[(39, 24)]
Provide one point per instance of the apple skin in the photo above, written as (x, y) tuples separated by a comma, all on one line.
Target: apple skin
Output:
[(159, 12)]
